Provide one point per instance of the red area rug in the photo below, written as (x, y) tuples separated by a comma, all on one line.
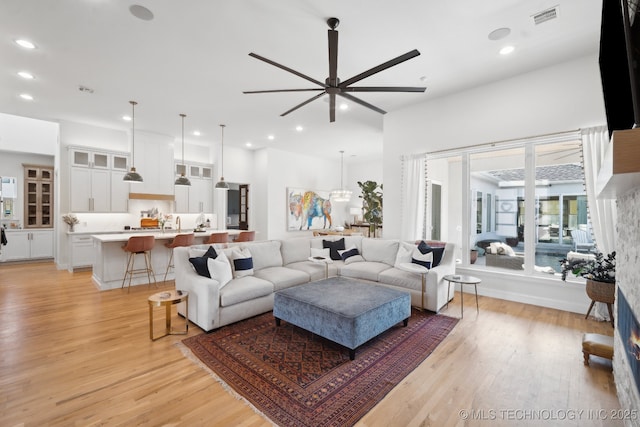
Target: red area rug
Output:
[(296, 378)]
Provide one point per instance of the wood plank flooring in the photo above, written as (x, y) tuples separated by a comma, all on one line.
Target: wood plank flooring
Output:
[(71, 355)]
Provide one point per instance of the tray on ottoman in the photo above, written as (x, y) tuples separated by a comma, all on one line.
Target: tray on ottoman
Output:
[(346, 311)]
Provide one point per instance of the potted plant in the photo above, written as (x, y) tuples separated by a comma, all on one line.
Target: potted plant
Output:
[(601, 277), (371, 204)]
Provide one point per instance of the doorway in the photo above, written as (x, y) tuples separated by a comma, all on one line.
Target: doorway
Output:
[(238, 206)]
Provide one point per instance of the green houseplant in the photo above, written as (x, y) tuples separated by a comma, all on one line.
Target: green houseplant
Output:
[(371, 203), (601, 278)]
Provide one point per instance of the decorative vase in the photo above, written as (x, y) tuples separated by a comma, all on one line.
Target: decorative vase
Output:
[(71, 227), (601, 292), (473, 256)]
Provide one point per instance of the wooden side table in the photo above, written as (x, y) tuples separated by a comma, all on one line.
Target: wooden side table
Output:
[(463, 280), (167, 299)]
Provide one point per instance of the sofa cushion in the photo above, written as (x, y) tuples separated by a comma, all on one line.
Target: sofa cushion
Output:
[(379, 250), (220, 269), (295, 250), (199, 262), (317, 270), (404, 279), (242, 262), (364, 270), (334, 247), (265, 254), (244, 289), (423, 259), (404, 254), (324, 253), (282, 277), (424, 248)]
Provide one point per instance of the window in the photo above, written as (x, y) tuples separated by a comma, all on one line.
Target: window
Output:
[(527, 195)]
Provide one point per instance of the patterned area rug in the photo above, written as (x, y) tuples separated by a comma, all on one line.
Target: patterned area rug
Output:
[(296, 378)]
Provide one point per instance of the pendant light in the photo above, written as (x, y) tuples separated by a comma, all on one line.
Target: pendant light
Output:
[(222, 184), (341, 195), (132, 175), (183, 180)]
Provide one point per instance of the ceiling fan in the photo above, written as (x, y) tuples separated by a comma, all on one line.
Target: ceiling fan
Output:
[(333, 86)]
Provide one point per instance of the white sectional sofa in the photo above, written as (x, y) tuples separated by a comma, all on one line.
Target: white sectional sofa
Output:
[(278, 264)]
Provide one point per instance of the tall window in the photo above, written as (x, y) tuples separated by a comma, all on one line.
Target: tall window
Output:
[(525, 197)]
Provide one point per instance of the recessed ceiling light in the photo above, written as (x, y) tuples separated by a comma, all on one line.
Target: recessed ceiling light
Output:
[(344, 106), (26, 96), (141, 12), (26, 75), (126, 118), (25, 44), (499, 34), (271, 137), (299, 128), (507, 50), (197, 133), (248, 144)]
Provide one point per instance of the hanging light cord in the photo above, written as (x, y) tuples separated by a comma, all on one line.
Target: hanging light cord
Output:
[(133, 135), (222, 152), (183, 116), (341, 168)]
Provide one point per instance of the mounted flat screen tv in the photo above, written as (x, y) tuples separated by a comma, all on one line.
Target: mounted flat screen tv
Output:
[(619, 57)]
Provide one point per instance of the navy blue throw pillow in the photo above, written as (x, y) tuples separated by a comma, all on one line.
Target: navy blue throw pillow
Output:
[(334, 247), (437, 252), (200, 263), (426, 264)]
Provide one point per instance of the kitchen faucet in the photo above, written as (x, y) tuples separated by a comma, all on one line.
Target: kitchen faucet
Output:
[(178, 224)]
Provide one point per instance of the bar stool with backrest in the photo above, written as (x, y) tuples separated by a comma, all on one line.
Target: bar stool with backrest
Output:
[(179, 240), (217, 238), (139, 245), (246, 236)]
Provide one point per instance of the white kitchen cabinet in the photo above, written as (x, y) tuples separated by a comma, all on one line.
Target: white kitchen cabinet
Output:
[(198, 197), (24, 245), (181, 194), (90, 190), (119, 192), (154, 161), (81, 253), (96, 181), (201, 195)]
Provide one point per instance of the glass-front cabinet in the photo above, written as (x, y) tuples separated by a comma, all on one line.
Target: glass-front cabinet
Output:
[(38, 204)]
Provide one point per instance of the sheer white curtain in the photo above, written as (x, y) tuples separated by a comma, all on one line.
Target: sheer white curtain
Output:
[(602, 213), (413, 197)]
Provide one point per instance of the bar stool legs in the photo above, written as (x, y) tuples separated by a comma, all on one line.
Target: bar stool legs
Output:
[(147, 269)]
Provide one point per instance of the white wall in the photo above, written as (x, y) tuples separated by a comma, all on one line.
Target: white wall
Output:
[(560, 98), (27, 135)]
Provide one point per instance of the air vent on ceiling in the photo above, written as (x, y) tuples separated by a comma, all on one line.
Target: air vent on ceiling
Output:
[(545, 15)]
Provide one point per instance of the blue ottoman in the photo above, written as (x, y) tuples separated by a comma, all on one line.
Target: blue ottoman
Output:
[(346, 311)]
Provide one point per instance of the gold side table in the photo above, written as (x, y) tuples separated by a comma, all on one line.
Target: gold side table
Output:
[(322, 260), (167, 299)]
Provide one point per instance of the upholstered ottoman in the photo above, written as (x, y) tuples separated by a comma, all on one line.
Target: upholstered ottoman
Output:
[(346, 311), (598, 345)]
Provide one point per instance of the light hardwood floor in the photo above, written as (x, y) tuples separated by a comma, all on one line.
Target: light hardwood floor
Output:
[(73, 356)]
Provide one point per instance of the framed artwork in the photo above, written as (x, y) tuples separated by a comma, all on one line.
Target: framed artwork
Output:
[(308, 209)]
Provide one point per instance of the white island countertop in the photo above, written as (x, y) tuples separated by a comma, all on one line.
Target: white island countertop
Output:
[(159, 235)]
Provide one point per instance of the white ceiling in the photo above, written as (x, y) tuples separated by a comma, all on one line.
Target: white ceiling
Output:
[(193, 58)]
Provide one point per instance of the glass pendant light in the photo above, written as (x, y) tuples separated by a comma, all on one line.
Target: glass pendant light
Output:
[(132, 175), (183, 180), (341, 195), (222, 184)]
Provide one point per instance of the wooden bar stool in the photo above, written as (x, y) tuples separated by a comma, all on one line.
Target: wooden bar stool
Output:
[(139, 245), (179, 240), (246, 236), (217, 238)]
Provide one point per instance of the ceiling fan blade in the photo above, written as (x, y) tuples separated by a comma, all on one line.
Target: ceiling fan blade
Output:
[(400, 59), (282, 90), (333, 58), (361, 102), (313, 98), (332, 107), (383, 89), (275, 64)]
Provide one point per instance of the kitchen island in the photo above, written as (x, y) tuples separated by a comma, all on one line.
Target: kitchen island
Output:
[(110, 262)]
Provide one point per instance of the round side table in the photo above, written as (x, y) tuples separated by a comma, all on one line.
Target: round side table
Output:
[(462, 279), (167, 299)]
